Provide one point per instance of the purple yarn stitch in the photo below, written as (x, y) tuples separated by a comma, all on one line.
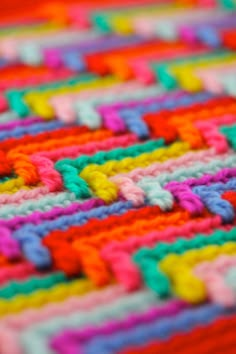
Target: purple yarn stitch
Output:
[(9, 247), (53, 56), (20, 123), (189, 200), (38, 216), (71, 341), (189, 32)]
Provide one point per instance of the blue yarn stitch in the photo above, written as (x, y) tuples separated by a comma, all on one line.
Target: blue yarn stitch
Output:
[(159, 329), (29, 235), (134, 123), (33, 129), (133, 117), (211, 197), (74, 61)]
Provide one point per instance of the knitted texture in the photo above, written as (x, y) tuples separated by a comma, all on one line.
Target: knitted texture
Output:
[(118, 177)]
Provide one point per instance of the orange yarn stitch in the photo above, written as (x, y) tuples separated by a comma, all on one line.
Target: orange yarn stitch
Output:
[(180, 121), (20, 156)]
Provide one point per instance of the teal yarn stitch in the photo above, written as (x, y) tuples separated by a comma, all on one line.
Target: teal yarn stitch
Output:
[(31, 285), (37, 337), (153, 187), (164, 75), (8, 116), (15, 98), (148, 259), (70, 169), (230, 278), (88, 115), (4, 179), (44, 203), (230, 133), (229, 83), (228, 4)]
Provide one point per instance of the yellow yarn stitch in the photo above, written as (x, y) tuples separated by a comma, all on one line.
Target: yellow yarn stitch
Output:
[(179, 268), (42, 28), (97, 175), (12, 185), (42, 297), (186, 76), (123, 23), (39, 103), (31, 96)]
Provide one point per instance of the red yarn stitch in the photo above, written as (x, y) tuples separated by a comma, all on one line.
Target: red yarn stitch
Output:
[(7, 145), (230, 196), (27, 139), (5, 165), (229, 38), (160, 128), (95, 226), (217, 337)]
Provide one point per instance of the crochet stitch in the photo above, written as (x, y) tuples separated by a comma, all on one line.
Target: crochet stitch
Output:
[(118, 177)]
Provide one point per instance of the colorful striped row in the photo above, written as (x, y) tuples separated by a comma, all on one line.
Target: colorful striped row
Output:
[(118, 178)]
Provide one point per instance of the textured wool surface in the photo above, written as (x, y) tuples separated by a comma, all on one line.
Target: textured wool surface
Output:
[(118, 177)]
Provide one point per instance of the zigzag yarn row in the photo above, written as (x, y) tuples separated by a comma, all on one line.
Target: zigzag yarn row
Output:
[(118, 178)]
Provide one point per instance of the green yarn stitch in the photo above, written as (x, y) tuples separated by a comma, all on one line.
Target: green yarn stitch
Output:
[(8, 116), (35, 339), (88, 115), (162, 70), (228, 4), (230, 133), (31, 285), (70, 169), (4, 179), (228, 82), (148, 259), (102, 20), (15, 98), (230, 278), (195, 170), (44, 203)]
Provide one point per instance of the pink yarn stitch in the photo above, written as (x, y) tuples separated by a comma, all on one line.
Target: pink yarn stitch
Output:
[(127, 182), (210, 75), (118, 255), (44, 161), (63, 104), (17, 272), (148, 25), (3, 103), (23, 194), (37, 217), (212, 273), (72, 341), (210, 131), (141, 67), (12, 326)]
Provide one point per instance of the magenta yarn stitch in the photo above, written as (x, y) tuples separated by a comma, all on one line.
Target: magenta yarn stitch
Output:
[(146, 101), (110, 112), (21, 123), (37, 216), (68, 341), (189, 200), (9, 247)]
